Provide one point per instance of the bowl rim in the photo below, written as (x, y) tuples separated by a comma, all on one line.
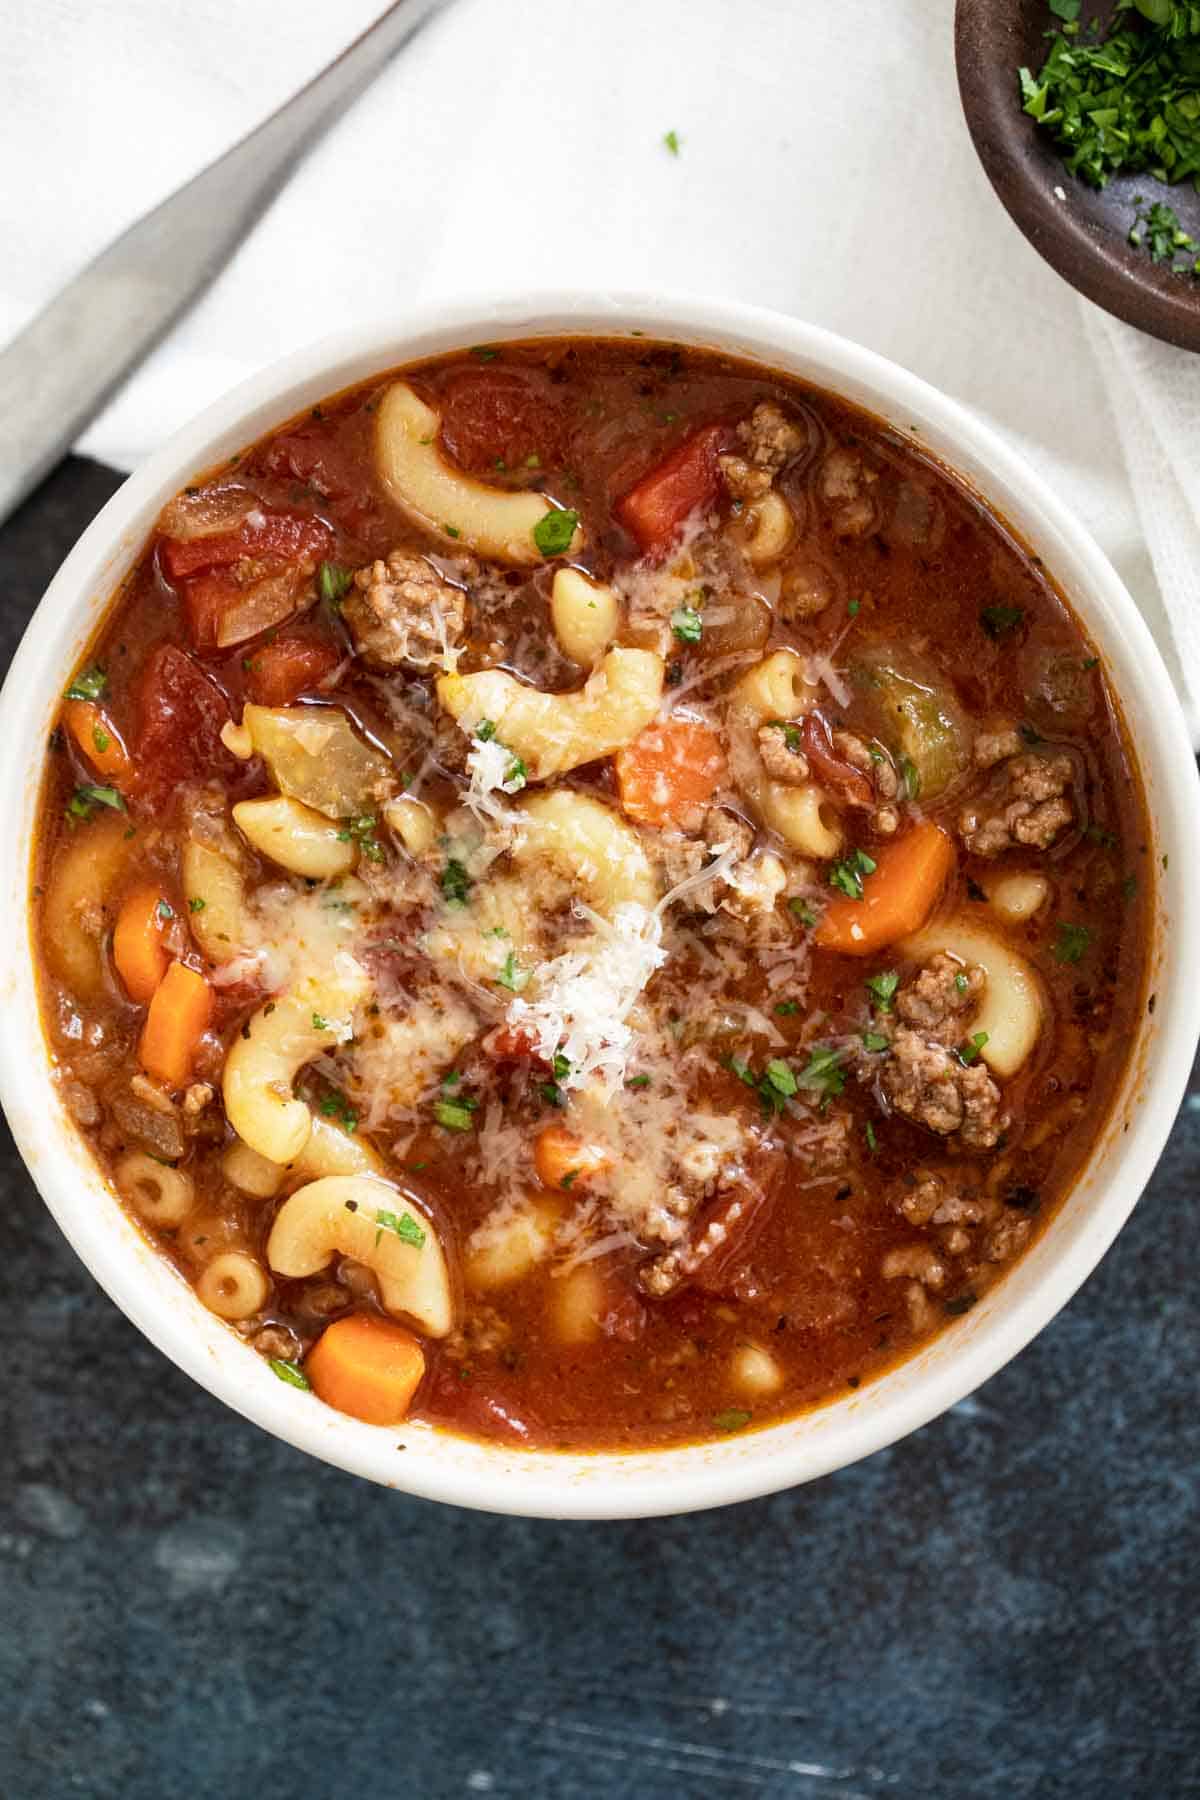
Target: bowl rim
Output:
[(604, 1484)]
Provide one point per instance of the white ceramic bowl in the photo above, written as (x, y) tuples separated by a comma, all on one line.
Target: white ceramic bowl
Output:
[(494, 1476)]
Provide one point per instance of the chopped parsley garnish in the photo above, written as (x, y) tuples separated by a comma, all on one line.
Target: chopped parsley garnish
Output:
[(875, 1041), (512, 976), (89, 684), (455, 882), (291, 1372), (786, 1008), (164, 910), (961, 982), (455, 1114), (484, 353), (335, 1106), (195, 904), (1072, 942), (320, 1022), (824, 1074), (100, 739), (1001, 621), (515, 776), (333, 583), (671, 142), (848, 874), (802, 910), (734, 1418), (910, 777), (780, 1077), (485, 731), (852, 607), (791, 733), (451, 531), (687, 624), (405, 1228), (872, 1140), (882, 988), (968, 1052), (638, 1081), (550, 1091), (361, 831), (776, 1084), (86, 799), (554, 530), (1124, 101)]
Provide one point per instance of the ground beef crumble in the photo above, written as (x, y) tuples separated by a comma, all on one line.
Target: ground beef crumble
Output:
[(846, 485), (923, 1077), (1030, 807), (768, 441), (403, 614)]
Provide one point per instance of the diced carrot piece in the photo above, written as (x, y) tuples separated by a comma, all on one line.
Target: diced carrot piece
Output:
[(178, 1016), (669, 769), (97, 737), (138, 949), (656, 506), (897, 898), (290, 666), (564, 1161), (367, 1367)]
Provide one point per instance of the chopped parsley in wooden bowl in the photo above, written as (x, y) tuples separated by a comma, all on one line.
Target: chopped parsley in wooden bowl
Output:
[(1086, 118)]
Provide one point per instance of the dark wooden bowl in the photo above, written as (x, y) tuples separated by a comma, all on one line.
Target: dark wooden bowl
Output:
[(1085, 236)]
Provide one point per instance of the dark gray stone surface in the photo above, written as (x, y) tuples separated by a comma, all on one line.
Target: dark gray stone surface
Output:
[(1002, 1606)]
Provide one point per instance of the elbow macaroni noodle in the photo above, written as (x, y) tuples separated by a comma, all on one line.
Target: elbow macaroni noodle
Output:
[(1012, 1008), (492, 521), (553, 733), (274, 1046), (585, 615), (297, 838), (768, 528), (776, 688), (342, 1214)]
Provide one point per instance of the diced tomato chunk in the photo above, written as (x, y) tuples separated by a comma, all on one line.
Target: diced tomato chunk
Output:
[(269, 538), (509, 1043), (477, 1402), (329, 464), (181, 713), (290, 666), (656, 506), (497, 417)]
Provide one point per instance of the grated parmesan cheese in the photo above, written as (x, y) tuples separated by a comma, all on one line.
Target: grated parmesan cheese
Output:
[(493, 769), (584, 997), (820, 668)]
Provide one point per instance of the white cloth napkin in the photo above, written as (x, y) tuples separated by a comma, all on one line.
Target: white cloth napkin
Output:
[(823, 168)]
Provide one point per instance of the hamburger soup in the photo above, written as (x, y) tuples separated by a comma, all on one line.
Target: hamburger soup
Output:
[(589, 893)]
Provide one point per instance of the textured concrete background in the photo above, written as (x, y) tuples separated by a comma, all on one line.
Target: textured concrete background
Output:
[(1003, 1606)]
